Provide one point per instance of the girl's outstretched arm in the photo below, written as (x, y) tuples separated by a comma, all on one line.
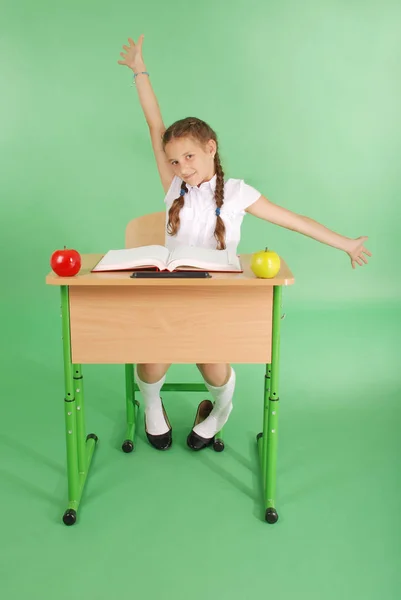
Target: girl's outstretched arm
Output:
[(264, 209)]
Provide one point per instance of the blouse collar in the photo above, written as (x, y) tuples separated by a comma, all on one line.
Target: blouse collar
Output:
[(211, 184)]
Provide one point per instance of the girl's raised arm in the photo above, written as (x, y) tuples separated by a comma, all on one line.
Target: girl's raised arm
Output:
[(133, 59)]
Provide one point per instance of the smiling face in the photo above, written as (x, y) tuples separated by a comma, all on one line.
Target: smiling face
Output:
[(191, 161)]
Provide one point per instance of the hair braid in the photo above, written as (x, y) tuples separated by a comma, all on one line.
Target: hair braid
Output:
[(220, 230), (173, 224)]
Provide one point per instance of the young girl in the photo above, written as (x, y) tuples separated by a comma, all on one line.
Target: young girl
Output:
[(202, 209)]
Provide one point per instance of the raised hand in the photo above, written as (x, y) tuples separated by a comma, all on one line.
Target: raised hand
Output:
[(133, 54)]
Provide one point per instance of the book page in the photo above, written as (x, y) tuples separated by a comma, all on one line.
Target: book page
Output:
[(134, 257), (203, 258)]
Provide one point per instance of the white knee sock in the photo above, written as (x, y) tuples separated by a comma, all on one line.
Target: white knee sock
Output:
[(155, 421), (222, 397)]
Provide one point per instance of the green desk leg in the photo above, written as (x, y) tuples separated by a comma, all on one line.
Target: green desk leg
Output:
[(267, 440), (80, 449), (132, 407)]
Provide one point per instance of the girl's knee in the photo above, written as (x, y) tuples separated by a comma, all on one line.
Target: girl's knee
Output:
[(152, 372), (216, 374)]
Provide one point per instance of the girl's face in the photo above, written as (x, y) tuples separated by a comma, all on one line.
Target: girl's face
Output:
[(190, 161)]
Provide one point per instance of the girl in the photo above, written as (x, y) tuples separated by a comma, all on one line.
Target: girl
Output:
[(202, 209)]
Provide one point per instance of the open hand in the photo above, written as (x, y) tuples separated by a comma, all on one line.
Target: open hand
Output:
[(356, 250), (133, 53)]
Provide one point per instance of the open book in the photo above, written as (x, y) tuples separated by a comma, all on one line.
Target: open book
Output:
[(182, 258)]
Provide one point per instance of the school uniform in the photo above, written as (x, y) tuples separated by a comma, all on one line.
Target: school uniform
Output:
[(198, 215)]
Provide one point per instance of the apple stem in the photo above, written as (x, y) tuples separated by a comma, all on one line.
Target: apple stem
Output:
[(266, 249)]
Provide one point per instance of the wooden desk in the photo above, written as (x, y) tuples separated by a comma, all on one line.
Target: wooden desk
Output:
[(112, 318)]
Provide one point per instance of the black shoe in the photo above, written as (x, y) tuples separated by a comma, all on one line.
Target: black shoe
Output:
[(195, 441), (164, 440)]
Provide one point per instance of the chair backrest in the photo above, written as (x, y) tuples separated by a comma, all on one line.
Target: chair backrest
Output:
[(146, 230)]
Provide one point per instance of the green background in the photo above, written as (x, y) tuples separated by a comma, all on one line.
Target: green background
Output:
[(304, 97)]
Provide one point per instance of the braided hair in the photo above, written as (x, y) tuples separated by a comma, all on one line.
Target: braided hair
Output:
[(202, 133)]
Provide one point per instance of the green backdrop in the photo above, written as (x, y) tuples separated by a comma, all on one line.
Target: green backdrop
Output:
[(304, 97)]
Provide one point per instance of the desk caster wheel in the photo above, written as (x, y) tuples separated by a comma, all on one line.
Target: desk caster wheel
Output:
[(70, 516), (259, 436), (218, 445), (271, 515), (127, 446)]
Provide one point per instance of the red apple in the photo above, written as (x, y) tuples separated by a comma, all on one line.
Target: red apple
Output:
[(65, 263)]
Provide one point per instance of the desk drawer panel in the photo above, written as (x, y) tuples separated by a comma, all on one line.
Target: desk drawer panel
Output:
[(114, 324)]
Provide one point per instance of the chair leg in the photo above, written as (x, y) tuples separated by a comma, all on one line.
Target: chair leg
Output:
[(132, 407), (218, 444)]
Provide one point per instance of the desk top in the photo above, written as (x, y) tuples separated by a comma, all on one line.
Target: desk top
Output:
[(85, 277)]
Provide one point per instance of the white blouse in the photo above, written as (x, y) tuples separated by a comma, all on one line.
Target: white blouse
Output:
[(198, 216)]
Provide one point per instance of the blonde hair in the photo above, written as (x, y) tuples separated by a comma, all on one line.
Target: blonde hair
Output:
[(202, 133)]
